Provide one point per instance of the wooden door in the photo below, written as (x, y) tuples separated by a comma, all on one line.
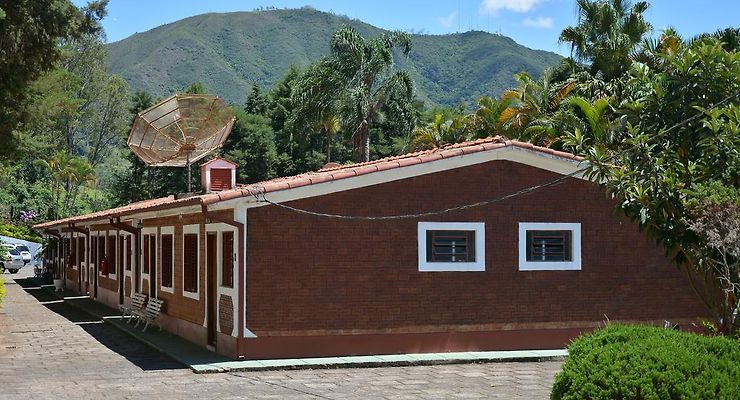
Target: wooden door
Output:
[(128, 289), (153, 249), (212, 277), (121, 267), (136, 254)]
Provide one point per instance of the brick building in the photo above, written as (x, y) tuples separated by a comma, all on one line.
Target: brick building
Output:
[(245, 271)]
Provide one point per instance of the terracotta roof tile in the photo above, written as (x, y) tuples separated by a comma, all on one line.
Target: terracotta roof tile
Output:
[(311, 178), (409, 161), (216, 159), (343, 174)]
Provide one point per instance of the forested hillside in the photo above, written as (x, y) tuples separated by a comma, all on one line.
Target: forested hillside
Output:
[(229, 52)]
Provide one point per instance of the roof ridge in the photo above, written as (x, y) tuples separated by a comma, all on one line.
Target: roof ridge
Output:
[(325, 175)]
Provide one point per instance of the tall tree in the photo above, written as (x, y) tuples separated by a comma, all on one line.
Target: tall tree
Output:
[(534, 104), (439, 133), (68, 172), (256, 101), (607, 33), (487, 119), (79, 106), (358, 80), (680, 149), (196, 88), (297, 150), (30, 33), (251, 144), (730, 38), (329, 126)]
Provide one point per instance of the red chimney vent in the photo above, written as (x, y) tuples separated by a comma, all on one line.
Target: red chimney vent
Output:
[(218, 174)]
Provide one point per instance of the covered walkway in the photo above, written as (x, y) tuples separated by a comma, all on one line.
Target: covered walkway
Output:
[(52, 349)]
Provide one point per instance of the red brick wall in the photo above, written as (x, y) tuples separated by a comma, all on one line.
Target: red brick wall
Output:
[(72, 275), (177, 305), (127, 286), (311, 275), (109, 283), (226, 314)]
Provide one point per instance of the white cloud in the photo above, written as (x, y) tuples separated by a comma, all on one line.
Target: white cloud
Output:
[(539, 22), (520, 6), (449, 20)]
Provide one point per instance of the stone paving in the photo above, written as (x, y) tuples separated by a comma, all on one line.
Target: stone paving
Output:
[(50, 350)]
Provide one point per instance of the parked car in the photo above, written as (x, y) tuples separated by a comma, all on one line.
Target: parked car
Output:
[(25, 252), (11, 260)]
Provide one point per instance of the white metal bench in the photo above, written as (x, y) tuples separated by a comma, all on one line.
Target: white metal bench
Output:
[(150, 313), (138, 301)]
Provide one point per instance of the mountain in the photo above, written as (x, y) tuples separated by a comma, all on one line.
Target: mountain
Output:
[(228, 52)]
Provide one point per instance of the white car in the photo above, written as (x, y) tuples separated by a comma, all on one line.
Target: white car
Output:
[(11, 260), (25, 253)]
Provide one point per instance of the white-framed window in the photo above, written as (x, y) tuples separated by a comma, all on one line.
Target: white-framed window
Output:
[(167, 257), (228, 258), (148, 250), (452, 246), (111, 255), (97, 250), (191, 261), (73, 253), (549, 246)]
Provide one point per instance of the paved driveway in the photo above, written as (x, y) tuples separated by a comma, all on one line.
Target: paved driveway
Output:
[(50, 350)]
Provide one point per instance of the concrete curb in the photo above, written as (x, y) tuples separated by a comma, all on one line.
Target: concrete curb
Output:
[(371, 361), (382, 361)]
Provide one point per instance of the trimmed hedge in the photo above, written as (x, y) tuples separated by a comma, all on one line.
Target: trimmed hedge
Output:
[(641, 362)]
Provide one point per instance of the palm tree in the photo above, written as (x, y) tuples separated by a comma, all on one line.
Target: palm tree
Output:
[(607, 33), (439, 133), (357, 80), (533, 104), (329, 125), (487, 119), (595, 125), (730, 38), (68, 173), (80, 172), (652, 51), (57, 165)]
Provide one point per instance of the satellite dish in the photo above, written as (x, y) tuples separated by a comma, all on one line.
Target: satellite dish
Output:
[(180, 130)]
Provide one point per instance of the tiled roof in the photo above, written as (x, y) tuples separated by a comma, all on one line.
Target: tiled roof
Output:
[(218, 159), (320, 176), (139, 206)]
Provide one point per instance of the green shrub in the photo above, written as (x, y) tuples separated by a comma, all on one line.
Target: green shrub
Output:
[(20, 232), (640, 362)]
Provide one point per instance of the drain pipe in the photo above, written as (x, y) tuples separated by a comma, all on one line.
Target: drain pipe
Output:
[(209, 216)]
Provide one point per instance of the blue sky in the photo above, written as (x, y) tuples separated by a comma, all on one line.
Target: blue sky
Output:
[(533, 23)]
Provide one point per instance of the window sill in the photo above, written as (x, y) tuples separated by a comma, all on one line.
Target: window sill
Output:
[(550, 266), (452, 267)]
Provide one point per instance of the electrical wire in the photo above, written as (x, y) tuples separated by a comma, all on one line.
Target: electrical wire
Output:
[(522, 192), (422, 214)]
